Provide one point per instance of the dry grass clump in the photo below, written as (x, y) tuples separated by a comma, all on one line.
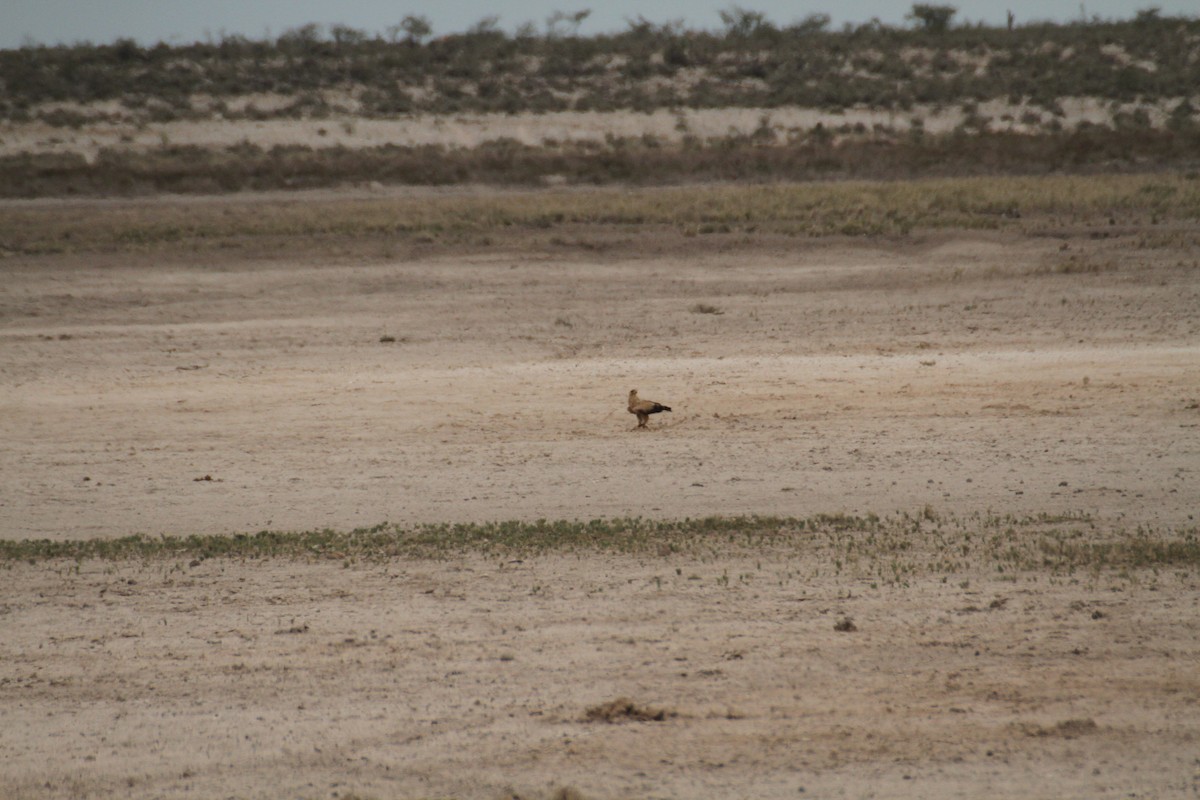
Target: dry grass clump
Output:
[(562, 793), (622, 709), (1067, 729)]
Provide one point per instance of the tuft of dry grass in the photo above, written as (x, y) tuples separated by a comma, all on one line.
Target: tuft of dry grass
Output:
[(622, 709), (1067, 729)]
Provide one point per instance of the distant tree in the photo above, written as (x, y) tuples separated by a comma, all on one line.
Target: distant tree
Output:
[(1147, 16), (304, 39), (931, 18), (813, 23), (126, 50), (304, 33), (641, 26), (740, 21), (415, 28), (488, 26), (562, 23), (344, 35), (644, 29)]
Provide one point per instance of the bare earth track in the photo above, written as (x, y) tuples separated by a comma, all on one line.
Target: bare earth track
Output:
[(963, 373)]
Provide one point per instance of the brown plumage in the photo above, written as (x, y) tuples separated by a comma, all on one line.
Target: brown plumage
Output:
[(644, 408)]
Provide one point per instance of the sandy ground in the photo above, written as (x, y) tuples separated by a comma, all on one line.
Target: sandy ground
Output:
[(966, 373), (969, 373)]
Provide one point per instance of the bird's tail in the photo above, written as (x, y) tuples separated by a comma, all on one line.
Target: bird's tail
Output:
[(661, 407)]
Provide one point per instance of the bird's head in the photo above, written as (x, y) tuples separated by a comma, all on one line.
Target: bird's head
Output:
[(633, 394)]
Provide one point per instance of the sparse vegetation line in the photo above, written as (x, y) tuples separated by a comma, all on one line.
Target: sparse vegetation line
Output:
[(844, 208), (819, 154), (1009, 89), (886, 549)]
